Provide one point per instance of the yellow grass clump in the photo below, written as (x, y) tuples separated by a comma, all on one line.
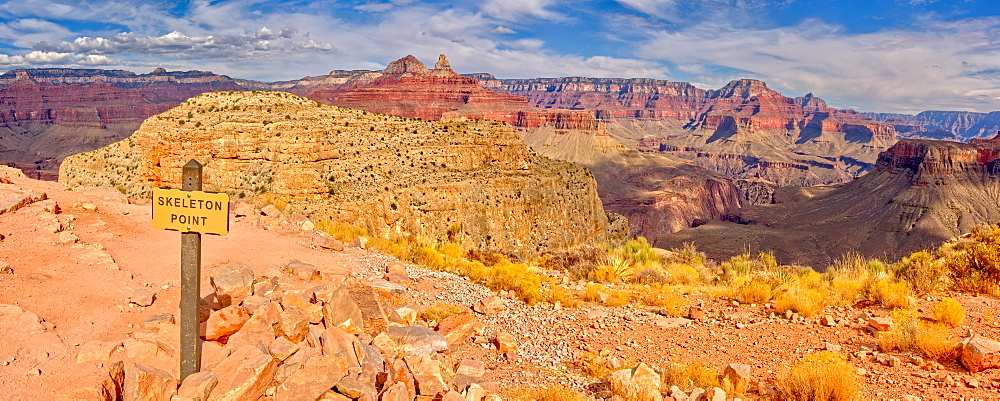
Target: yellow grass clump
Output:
[(910, 333), (554, 393), (440, 312), (822, 375), (949, 312), (891, 294), (687, 376), (801, 299)]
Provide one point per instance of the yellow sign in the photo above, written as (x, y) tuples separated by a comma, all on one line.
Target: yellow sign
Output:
[(191, 211)]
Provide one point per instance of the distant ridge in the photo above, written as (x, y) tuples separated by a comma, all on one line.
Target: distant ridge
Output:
[(920, 193)]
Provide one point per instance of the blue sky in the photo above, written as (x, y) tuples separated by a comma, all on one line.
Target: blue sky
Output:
[(874, 55)]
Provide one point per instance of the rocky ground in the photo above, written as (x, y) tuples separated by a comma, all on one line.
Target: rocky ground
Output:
[(85, 282)]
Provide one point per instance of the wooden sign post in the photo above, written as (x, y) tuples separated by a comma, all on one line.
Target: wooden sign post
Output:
[(192, 212)]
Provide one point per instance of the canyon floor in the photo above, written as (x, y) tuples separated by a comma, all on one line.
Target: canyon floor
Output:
[(77, 269)]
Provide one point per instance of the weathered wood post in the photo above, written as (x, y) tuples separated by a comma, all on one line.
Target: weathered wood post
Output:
[(192, 212), (190, 281)]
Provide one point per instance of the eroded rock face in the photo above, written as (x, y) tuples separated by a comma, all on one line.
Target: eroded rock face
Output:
[(408, 88), (48, 114), (393, 176), (743, 130), (919, 194)]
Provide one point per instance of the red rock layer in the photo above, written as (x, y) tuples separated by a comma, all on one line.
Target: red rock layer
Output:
[(52, 113), (408, 88)]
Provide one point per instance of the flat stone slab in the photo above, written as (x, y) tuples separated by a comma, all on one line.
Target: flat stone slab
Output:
[(13, 198)]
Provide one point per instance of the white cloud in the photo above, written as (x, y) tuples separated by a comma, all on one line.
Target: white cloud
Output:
[(40, 58), (514, 10), (179, 45), (502, 30), (949, 65), (375, 7)]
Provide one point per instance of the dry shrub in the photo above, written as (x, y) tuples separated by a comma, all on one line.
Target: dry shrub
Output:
[(429, 257), (822, 375), (974, 264), (558, 293), (554, 393), (687, 376), (850, 276), (669, 302), (578, 262), (593, 364), (440, 312), (923, 272), (909, 333), (890, 294), (340, 231), (936, 341), (681, 273), (594, 292), (756, 290), (949, 312), (515, 277), (613, 269), (805, 301)]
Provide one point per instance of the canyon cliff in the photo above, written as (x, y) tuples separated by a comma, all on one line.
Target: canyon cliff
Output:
[(473, 182), (744, 131), (920, 193), (48, 114), (952, 125), (657, 193)]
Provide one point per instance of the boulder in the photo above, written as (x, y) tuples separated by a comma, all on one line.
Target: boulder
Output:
[(505, 342), (979, 353), (340, 311), (223, 323), (243, 375), (490, 305), (197, 387), (281, 348), (417, 339), (293, 324), (148, 383), (738, 375), (640, 384), (339, 344), (354, 388), (232, 283), (471, 367), (458, 328), (317, 375), (142, 296), (880, 323)]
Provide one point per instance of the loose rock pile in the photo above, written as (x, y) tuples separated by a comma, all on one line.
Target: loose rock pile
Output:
[(290, 336)]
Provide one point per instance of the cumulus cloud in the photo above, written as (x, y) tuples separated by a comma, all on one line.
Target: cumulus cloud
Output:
[(41, 58), (947, 65), (179, 45), (502, 30), (513, 10)]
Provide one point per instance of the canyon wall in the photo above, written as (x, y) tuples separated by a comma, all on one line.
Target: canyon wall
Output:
[(920, 193), (473, 182), (48, 114)]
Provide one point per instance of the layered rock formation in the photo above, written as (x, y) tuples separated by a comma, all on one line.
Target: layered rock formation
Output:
[(953, 125), (475, 182), (919, 194), (408, 88), (48, 114), (744, 130), (658, 194)]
